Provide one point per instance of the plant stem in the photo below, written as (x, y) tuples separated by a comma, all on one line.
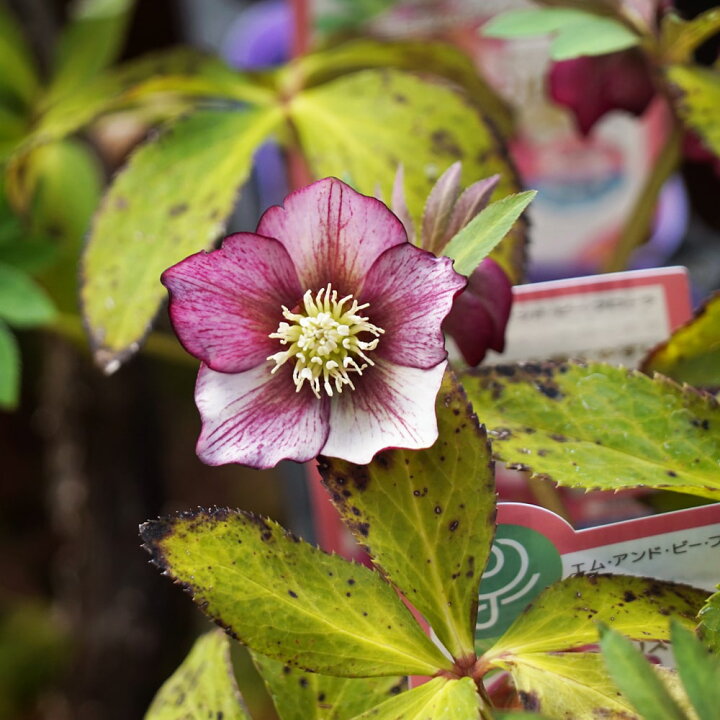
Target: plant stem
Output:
[(637, 228)]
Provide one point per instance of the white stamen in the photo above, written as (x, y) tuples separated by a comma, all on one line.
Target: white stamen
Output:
[(324, 341)]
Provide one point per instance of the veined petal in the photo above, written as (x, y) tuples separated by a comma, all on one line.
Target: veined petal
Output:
[(224, 304), (410, 291), (332, 233), (392, 406), (257, 419)]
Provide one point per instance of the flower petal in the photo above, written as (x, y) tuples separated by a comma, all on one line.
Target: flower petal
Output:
[(471, 202), (410, 292), (439, 207), (392, 406), (332, 233), (480, 314), (224, 304), (258, 419)]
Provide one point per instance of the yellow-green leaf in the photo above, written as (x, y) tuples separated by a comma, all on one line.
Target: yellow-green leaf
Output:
[(439, 699), (361, 127), (171, 200), (680, 38), (442, 504), (692, 354), (697, 100), (572, 685), (564, 616), (422, 56), (300, 695), (202, 687), (289, 600), (597, 426)]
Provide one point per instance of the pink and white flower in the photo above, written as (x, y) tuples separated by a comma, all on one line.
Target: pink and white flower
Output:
[(319, 334)]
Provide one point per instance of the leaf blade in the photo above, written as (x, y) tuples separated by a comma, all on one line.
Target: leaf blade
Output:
[(339, 618), (597, 426), (299, 695), (362, 126), (9, 369), (23, 303), (203, 686), (159, 219), (482, 234), (637, 680), (698, 670), (439, 699), (439, 541), (692, 353), (564, 616)]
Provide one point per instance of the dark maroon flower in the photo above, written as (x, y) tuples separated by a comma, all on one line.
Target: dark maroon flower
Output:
[(594, 86)]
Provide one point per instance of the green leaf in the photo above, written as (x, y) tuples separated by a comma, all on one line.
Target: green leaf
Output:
[(439, 699), (442, 503), (697, 99), (422, 56), (576, 32), (91, 41), (30, 255), (9, 369), (18, 79), (564, 616), (538, 21), (637, 679), (171, 200), (482, 234), (599, 37), (337, 617), (23, 303), (709, 627), (698, 670), (680, 38), (566, 685), (692, 354), (362, 126), (596, 426), (300, 695), (202, 687), (65, 180)]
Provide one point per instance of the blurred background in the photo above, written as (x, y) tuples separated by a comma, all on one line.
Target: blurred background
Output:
[(87, 628)]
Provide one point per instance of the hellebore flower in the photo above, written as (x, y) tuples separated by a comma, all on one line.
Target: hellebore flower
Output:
[(481, 312), (320, 334), (592, 86)]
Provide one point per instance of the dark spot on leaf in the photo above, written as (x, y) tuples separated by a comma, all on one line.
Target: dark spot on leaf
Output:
[(303, 682), (178, 209), (529, 700), (629, 596), (292, 594), (549, 391), (443, 142), (286, 669), (355, 510), (438, 510), (502, 433), (671, 473), (321, 697), (454, 525), (558, 438)]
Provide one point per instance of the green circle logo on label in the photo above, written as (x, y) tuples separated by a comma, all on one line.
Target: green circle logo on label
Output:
[(521, 565)]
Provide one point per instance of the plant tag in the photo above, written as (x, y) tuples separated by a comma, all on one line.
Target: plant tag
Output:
[(613, 318), (534, 547)]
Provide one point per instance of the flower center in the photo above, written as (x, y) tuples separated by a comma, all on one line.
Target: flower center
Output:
[(324, 339)]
